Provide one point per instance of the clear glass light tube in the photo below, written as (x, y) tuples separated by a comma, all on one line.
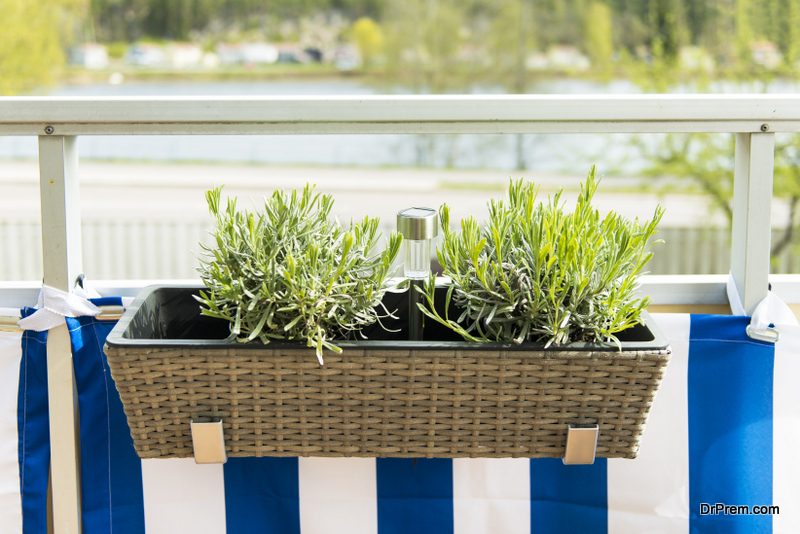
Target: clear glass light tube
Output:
[(418, 259)]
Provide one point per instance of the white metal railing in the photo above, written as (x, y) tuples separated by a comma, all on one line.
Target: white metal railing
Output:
[(57, 121)]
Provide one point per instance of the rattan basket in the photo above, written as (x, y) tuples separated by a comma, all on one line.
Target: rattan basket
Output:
[(378, 398)]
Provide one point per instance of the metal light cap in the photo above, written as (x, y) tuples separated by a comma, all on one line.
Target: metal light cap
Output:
[(418, 224)]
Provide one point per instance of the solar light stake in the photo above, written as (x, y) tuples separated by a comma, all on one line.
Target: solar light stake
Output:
[(418, 227)]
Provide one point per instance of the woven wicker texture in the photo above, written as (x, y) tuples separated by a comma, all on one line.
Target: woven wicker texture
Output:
[(386, 403)]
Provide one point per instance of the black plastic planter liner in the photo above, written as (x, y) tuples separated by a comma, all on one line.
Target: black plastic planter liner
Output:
[(383, 397), (170, 317)]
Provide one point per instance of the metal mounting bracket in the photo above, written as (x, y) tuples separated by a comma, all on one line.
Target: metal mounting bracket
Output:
[(208, 442), (581, 444), (770, 335)]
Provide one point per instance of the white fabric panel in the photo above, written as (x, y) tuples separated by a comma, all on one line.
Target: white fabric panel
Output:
[(10, 499), (491, 495), (338, 495), (786, 432), (651, 493), (181, 496)]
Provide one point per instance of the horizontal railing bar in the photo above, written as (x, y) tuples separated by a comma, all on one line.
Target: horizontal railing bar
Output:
[(688, 289), (662, 289), (382, 127), (440, 113)]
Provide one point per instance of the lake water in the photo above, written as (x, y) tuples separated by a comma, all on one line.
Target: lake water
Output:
[(565, 153)]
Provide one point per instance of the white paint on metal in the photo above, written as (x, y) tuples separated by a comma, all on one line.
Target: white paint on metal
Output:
[(752, 200), (61, 252), (454, 126), (399, 114)]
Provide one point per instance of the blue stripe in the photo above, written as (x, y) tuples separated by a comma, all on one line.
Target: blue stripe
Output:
[(415, 496), (111, 473), (107, 301), (262, 496), (730, 423), (567, 499), (34, 431)]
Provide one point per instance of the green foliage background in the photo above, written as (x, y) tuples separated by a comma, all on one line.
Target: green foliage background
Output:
[(30, 51), (723, 27), (425, 45)]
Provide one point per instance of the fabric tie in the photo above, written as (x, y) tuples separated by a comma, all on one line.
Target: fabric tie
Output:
[(53, 306), (769, 315)]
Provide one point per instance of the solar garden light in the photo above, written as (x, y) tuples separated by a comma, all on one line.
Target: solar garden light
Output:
[(418, 226)]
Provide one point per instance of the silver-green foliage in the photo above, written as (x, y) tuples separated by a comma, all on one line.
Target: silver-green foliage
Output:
[(534, 272), (292, 271)]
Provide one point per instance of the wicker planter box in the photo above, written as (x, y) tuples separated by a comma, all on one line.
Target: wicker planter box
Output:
[(384, 397)]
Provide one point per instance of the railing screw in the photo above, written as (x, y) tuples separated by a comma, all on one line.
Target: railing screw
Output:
[(49, 130), (765, 127)]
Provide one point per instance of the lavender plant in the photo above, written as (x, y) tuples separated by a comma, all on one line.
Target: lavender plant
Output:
[(292, 272), (534, 272)]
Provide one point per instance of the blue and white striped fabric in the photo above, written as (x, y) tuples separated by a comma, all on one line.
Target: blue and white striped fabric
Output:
[(24, 431), (10, 487), (723, 428)]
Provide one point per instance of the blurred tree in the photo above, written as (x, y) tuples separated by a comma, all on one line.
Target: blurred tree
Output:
[(762, 19), (511, 37), (599, 43), (787, 186), (118, 20), (360, 8), (31, 41), (560, 22), (128, 20), (424, 42), (668, 27), (696, 16), (510, 41), (706, 160), (641, 29), (427, 52), (744, 32), (793, 35), (176, 19), (368, 38), (632, 27), (719, 24)]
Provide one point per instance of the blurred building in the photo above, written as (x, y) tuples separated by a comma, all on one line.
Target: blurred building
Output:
[(89, 56), (184, 55), (247, 53), (766, 54), (146, 55)]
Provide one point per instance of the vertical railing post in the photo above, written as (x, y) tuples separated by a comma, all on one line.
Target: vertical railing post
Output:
[(752, 226), (61, 255)]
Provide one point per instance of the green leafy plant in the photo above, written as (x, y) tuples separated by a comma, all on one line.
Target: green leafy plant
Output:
[(534, 272), (293, 272)]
